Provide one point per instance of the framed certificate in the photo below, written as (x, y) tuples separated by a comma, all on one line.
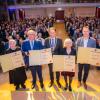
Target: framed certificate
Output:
[(11, 61), (88, 56), (83, 55), (40, 57), (64, 63), (95, 57)]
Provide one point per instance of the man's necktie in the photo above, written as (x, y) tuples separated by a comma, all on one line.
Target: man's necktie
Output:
[(52, 43), (32, 44)]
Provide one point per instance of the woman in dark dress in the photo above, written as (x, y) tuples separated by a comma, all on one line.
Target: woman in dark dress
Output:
[(17, 76), (68, 50)]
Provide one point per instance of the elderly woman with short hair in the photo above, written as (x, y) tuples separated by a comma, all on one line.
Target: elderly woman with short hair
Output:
[(68, 50), (17, 76)]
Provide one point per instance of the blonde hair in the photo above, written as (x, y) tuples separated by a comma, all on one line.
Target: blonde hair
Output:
[(31, 32), (67, 40), (52, 28)]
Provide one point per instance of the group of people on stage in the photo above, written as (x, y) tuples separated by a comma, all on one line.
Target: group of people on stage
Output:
[(18, 75)]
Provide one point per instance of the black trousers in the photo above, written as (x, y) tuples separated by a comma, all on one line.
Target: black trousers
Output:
[(82, 67), (38, 70), (52, 73), (70, 80)]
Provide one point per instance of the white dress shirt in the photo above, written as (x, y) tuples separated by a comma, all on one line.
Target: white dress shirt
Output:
[(32, 44), (85, 41)]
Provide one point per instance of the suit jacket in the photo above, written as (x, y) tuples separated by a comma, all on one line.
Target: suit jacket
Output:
[(73, 52), (58, 45), (91, 42), (26, 45)]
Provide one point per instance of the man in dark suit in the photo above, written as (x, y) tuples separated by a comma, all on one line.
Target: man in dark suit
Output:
[(56, 46), (84, 41), (32, 44)]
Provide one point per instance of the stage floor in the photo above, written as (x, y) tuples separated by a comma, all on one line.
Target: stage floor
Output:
[(8, 92)]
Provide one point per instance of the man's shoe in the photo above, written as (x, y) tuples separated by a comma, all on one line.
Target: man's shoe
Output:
[(17, 87), (33, 86), (42, 86), (70, 88), (85, 85), (51, 83), (23, 86), (59, 85), (65, 88)]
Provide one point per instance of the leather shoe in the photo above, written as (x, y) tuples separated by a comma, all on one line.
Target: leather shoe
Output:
[(33, 86), (85, 85), (42, 86), (70, 88), (17, 87), (23, 86), (66, 87), (51, 83), (59, 85)]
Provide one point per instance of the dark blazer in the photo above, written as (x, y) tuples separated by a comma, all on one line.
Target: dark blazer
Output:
[(26, 48), (73, 52), (66, 73), (58, 47), (26, 45)]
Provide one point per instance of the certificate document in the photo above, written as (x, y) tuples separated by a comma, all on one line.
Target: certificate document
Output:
[(88, 56), (64, 63), (40, 57), (83, 55), (11, 61), (95, 57)]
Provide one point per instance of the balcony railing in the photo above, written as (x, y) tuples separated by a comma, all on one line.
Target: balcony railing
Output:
[(39, 2)]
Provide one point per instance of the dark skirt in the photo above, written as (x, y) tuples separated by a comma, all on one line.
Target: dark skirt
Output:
[(66, 73), (17, 76)]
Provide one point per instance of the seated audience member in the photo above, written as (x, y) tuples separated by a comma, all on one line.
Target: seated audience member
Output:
[(39, 37)]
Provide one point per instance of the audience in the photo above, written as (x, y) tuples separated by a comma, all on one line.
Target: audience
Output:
[(74, 26)]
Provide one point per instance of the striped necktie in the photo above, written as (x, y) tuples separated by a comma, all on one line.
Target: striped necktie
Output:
[(52, 43), (32, 45)]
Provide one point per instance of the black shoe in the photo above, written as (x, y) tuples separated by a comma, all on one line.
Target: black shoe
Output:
[(70, 88), (17, 87), (85, 85), (33, 86), (51, 83), (66, 87), (42, 86), (59, 85), (23, 86)]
